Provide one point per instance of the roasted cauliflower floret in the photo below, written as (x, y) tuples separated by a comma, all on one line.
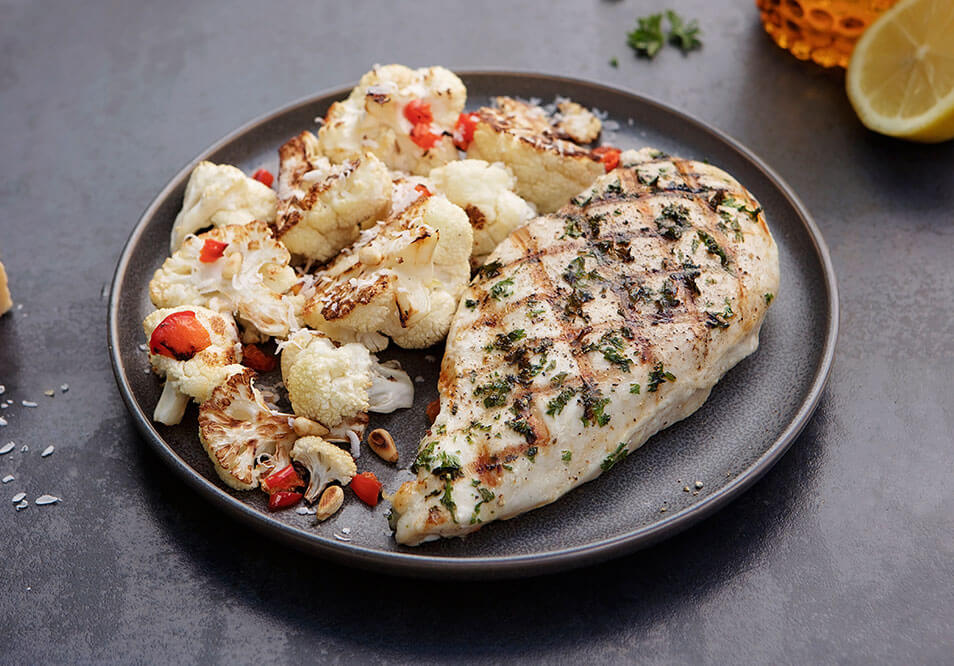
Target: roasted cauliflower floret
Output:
[(485, 192), (576, 123), (375, 117), (250, 278), (326, 464), (192, 368), (220, 194), (401, 279), (334, 384), (322, 205), (549, 170), (245, 440)]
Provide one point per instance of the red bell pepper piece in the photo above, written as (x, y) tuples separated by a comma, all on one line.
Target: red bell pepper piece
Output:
[(211, 250), (264, 176), (609, 156), (284, 479), (283, 499), (367, 487), (418, 112), (464, 129), (180, 336), (253, 357)]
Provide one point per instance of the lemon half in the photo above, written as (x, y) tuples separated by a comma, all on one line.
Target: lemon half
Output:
[(901, 75)]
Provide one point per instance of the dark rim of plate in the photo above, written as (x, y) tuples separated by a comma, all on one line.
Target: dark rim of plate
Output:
[(532, 564)]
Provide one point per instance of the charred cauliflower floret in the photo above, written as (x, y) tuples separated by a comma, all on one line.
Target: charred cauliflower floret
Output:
[(485, 192), (195, 349), (549, 170), (401, 279), (576, 123), (249, 277), (404, 116), (333, 384), (322, 205), (326, 463), (220, 194), (245, 440)]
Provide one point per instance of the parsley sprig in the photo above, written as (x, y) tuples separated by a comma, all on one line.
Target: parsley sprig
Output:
[(648, 38)]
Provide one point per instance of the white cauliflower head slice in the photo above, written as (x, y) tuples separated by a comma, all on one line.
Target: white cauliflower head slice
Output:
[(245, 440), (373, 118), (197, 376), (321, 205), (549, 169), (251, 279), (326, 464), (485, 192), (220, 194), (401, 279), (333, 384)]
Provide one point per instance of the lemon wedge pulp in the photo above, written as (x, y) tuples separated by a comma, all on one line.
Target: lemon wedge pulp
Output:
[(901, 75)]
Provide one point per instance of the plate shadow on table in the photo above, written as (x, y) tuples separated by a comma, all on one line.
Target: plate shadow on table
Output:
[(479, 617)]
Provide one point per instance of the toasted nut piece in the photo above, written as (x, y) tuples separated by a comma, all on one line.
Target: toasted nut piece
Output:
[(232, 265), (304, 427), (382, 443), (433, 409), (331, 500)]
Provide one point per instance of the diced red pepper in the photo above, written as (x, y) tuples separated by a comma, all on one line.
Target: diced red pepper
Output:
[(418, 112), (464, 129), (284, 479), (422, 188), (211, 250), (180, 336), (283, 499), (423, 136), (253, 357), (609, 156), (367, 487), (264, 176)]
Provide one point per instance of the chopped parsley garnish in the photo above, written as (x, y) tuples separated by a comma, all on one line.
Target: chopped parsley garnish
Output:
[(659, 376), (470, 303), (634, 388), (672, 221), (720, 319), (610, 346), (667, 296), (425, 458), (534, 313), (532, 453), (477, 425), (683, 35), (645, 179), (713, 248), (647, 38), (447, 465), (566, 456), (688, 274), (769, 298), (558, 379), (556, 405), (593, 404), (753, 213), (619, 454), (502, 289), (614, 62), (521, 426), (495, 393), (572, 227), (490, 270), (486, 495), (504, 341), (447, 499)]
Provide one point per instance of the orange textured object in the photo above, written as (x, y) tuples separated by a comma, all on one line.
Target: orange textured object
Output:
[(824, 31)]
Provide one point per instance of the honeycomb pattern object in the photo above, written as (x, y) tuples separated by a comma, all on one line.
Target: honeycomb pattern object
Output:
[(824, 31)]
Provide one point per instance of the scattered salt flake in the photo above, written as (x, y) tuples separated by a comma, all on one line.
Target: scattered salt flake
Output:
[(342, 537), (48, 451), (22, 505), (699, 484), (4, 406), (418, 379), (49, 393), (430, 358), (146, 371), (18, 497), (3, 389), (28, 403), (7, 448), (24, 448), (143, 348), (46, 499), (346, 530), (305, 511), (64, 387), (8, 478), (3, 421)]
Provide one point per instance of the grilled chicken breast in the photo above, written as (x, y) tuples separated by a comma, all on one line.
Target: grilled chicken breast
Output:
[(586, 332)]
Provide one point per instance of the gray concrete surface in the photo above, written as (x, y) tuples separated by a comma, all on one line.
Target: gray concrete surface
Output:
[(843, 553)]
